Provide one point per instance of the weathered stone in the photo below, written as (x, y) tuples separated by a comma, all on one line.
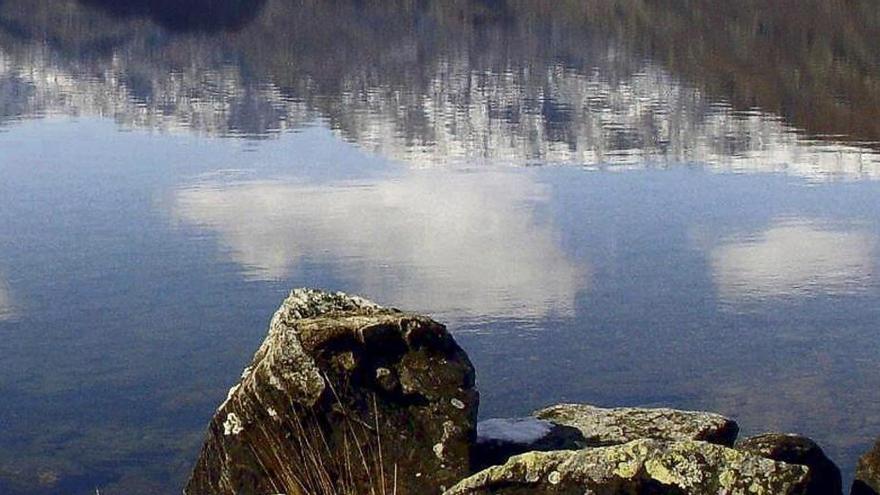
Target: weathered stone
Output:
[(795, 449), (644, 467), (867, 481), (499, 439), (343, 397), (602, 427)]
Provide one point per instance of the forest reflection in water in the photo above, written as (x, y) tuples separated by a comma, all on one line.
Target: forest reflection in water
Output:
[(472, 81)]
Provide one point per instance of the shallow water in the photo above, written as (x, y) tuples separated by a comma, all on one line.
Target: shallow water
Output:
[(603, 206)]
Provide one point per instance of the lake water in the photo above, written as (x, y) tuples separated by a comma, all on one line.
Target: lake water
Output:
[(613, 203)]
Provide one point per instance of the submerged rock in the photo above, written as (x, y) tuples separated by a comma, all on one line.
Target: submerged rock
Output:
[(345, 397), (499, 439), (867, 480), (639, 467), (795, 449), (601, 426)]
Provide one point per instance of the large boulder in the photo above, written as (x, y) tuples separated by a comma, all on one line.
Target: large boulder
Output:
[(795, 449), (498, 439), (867, 481), (644, 467), (602, 427), (343, 397)]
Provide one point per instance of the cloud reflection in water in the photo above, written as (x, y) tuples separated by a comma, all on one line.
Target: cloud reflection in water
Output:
[(796, 258), (441, 241), (6, 307)]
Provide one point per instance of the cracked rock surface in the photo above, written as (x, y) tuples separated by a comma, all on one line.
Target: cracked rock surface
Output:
[(343, 396), (647, 467)]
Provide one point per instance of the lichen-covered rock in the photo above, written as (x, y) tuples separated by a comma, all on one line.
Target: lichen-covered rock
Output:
[(499, 439), (343, 397), (644, 467), (795, 449), (602, 427), (867, 480)]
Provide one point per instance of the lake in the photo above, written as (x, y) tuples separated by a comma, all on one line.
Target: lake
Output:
[(620, 203)]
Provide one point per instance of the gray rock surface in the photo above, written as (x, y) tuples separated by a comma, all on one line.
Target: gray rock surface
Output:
[(602, 426), (867, 480), (795, 449), (343, 397), (499, 439), (642, 467)]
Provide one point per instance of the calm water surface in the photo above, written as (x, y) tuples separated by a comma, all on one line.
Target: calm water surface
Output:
[(617, 205)]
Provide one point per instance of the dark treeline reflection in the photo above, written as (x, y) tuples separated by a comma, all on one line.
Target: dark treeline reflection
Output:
[(207, 15), (407, 68)]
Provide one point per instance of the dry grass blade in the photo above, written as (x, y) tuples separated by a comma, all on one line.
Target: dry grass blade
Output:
[(348, 462)]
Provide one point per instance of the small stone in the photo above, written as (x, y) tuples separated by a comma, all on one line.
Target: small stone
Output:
[(867, 480), (795, 449), (48, 478), (457, 404)]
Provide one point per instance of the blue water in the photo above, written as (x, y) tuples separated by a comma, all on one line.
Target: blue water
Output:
[(616, 240)]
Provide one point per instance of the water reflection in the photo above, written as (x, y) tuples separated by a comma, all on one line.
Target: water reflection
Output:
[(5, 300), (169, 267), (439, 240), (793, 258), (192, 15), (456, 82)]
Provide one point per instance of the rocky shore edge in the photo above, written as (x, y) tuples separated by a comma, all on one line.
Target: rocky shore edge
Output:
[(348, 397)]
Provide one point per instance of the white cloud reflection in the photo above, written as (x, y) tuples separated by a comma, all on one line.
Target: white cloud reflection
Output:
[(793, 259), (443, 241), (5, 301)]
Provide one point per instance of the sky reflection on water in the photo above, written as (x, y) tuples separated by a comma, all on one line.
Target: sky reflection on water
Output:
[(454, 243), (5, 300), (794, 259), (596, 218)]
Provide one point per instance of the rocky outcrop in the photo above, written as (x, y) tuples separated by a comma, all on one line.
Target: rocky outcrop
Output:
[(795, 449), (347, 397), (343, 397), (867, 481), (501, 438), (576, 426), (640, 467), (602, 427)]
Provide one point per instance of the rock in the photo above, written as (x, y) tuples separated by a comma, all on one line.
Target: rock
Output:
[(343, 396), (602, 427), (499, 439), (642, 467), (867, 481), (795, 449)]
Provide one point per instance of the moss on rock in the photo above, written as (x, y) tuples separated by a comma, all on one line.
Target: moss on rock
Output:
[(645, 466)]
